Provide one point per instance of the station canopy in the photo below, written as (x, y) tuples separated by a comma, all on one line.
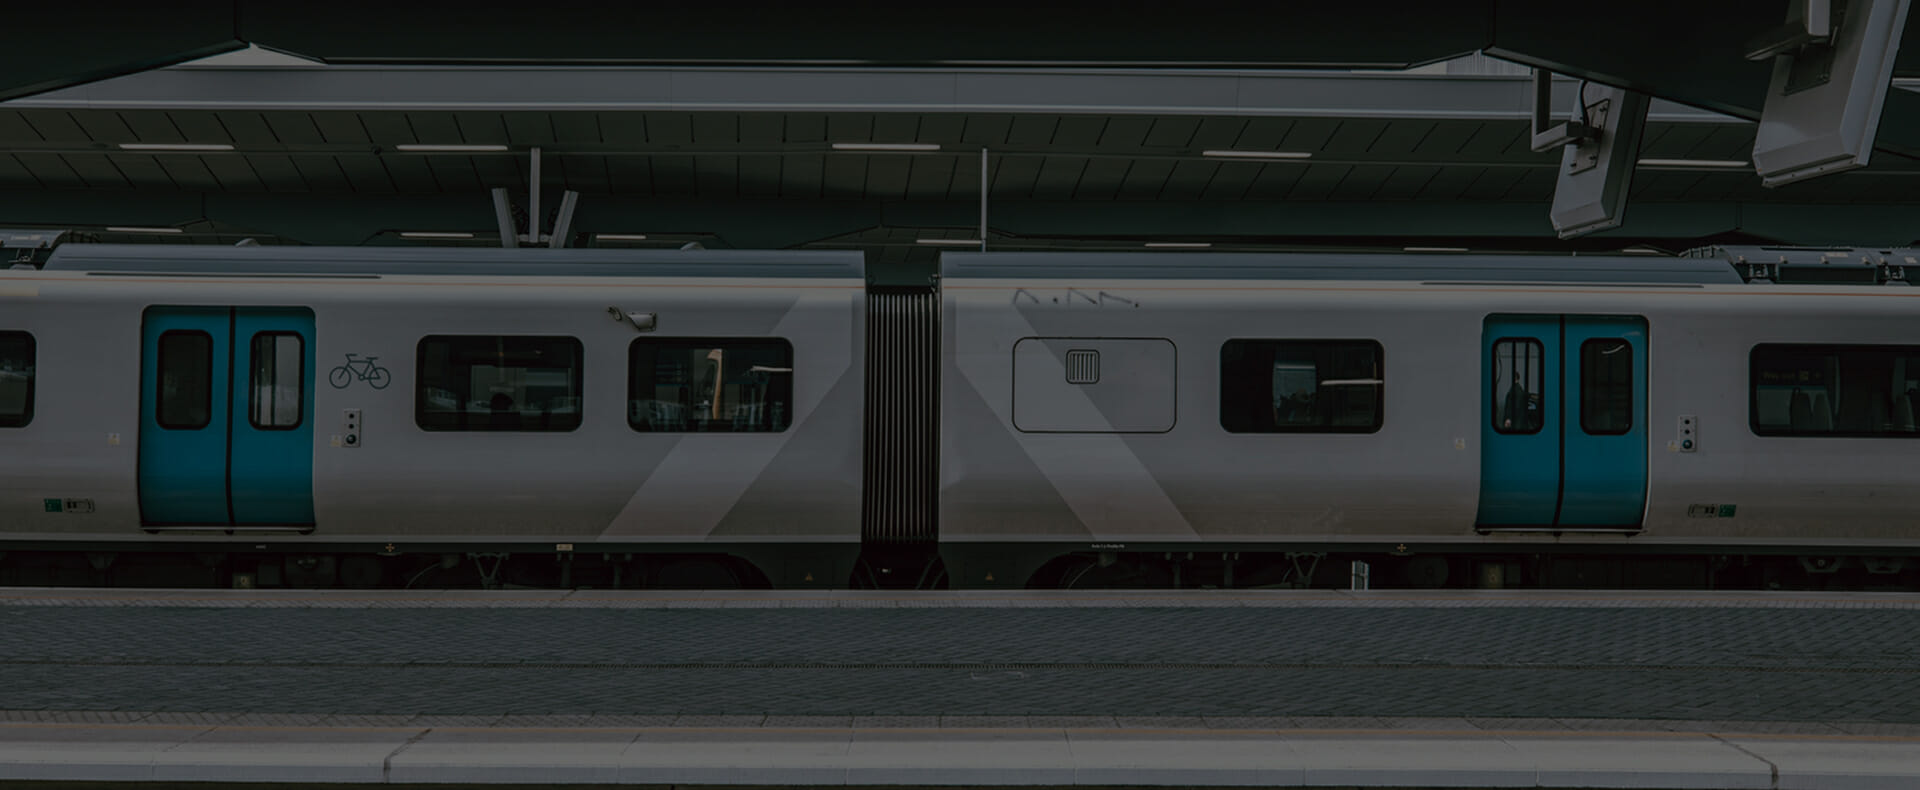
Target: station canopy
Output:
[(842, 126)]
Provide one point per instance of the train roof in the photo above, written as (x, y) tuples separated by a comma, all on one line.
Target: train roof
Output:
[(1449, 267), (1712, 265), (486, 261), (1704, 266)]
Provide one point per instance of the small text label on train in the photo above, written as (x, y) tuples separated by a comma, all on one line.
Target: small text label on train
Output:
[(68, 505)]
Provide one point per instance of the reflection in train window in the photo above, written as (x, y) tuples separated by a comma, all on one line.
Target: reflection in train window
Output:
[(1519, 394), (1606, 387), (16, 379), (1301, 386), (1821, 390), (498, 383), (710, 385), (185, 400), (278, 367)]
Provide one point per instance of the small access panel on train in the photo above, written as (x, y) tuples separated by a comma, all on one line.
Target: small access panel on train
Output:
[(226, 417), (1564, 422)]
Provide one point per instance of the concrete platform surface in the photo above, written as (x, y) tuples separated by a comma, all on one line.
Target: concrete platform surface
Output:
[(1198, 688), (1793, 657), (1029, 756)]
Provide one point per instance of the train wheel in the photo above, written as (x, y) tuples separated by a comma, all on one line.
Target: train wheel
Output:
[(362, 573), (1428, 572), (1120, 575)]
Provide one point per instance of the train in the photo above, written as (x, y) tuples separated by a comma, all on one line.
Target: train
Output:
[(389, 416)]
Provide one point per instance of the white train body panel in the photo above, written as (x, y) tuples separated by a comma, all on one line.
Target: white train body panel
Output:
[(1130, 453), (602, 482), (1417, 479), (1804, 491)]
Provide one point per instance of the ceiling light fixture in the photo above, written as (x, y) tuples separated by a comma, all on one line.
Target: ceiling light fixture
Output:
[(1719, 164), (886, 147), (620, 236), (176, 146), (1434, 249), (1189, 245), (433, 148), (132, 229), (434, 234), (1259, 154), (1641, 251), (949, 242)]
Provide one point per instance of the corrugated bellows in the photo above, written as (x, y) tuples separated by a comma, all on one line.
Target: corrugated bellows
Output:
[(903, 417)]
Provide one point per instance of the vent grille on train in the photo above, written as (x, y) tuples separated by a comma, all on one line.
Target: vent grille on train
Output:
[(1083, 366), (903, 417)]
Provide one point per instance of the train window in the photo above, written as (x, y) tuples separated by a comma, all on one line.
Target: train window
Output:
[(185, 400), (1301, 386), (1822, 390), (1519, 393), (276, 385), (1606, 387), (498, 383), (710, 385), (16, 379)]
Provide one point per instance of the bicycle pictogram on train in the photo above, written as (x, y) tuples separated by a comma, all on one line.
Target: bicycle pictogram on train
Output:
[(359, 368)]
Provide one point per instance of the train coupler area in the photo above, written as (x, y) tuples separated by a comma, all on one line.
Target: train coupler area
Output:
[(912, 567)]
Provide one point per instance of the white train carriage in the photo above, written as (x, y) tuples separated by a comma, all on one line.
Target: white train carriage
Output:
[(407, 401), (722, 418), (1137, 410)]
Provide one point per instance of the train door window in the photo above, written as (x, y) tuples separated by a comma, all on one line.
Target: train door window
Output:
[(1519, 389), (1301, 386), (710, 385), (185, 400), (275, 381), (1606, 387), (16, 379), (1821, 390), (1905, 409), (498, 383)]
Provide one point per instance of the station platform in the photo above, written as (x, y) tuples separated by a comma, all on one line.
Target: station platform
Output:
[(1199, 688)]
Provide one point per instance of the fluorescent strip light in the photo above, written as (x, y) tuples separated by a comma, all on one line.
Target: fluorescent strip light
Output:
[(950, 242), (176, 146), (1190, 245), (1259, 154), (1434, 249), (130, 229), (1723, 164), (621, 236), (434, 234), (1641, 251), (886, 146), (447, 149)]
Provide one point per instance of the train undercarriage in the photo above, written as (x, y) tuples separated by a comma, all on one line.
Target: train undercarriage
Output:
[(914, 568)]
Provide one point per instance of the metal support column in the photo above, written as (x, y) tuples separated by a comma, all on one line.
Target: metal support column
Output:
[(533, 199), (983, 199)]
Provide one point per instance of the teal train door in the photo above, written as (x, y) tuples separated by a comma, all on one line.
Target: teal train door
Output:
[(1563, 410), (226, 429)]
